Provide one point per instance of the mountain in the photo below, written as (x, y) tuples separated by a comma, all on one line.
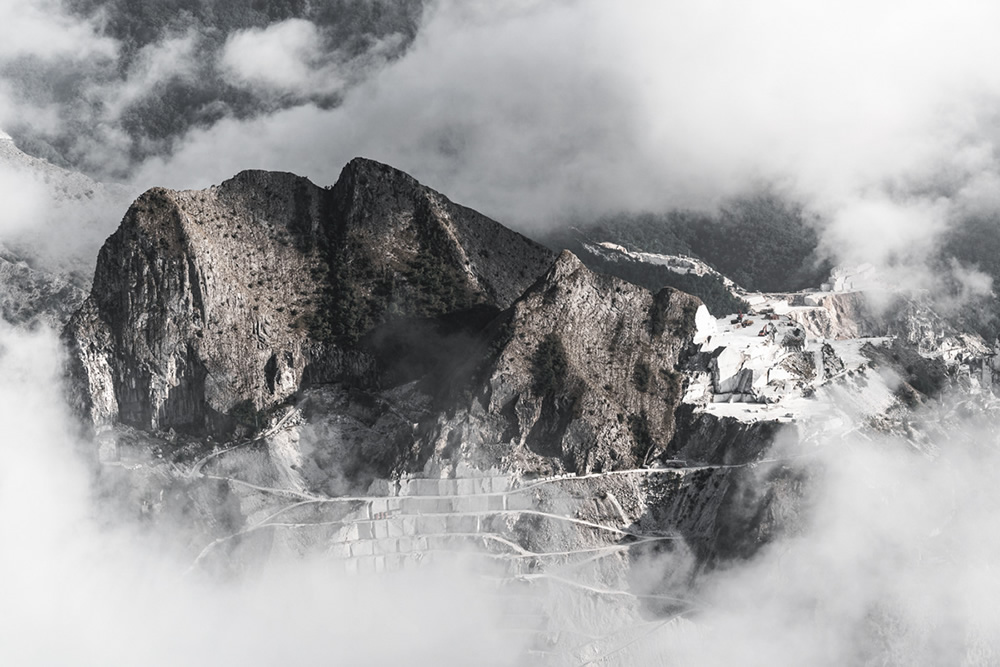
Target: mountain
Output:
[(581, 376), (207, 305), (374, 373), (762, 241)]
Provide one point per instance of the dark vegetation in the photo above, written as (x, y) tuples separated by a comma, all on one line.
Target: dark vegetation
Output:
[(685, 326), (975, 242), (640, 376), (926, 376), (440, 285), (713, 293), (642, 439), (548, 366), (762, 242), (345, 313), (358, 297), (247, 419)]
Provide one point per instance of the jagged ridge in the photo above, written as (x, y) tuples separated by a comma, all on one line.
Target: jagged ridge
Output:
[(237, 296)]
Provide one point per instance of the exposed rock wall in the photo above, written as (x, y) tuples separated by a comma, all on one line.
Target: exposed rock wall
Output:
[(206, 301), (29, 296), (608, 401)]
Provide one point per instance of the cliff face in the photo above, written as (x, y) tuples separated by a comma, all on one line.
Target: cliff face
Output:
[(210, 306), (580, 377), (29, 296)]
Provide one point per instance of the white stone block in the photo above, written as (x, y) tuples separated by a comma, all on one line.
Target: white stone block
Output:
[(364, 530), (362, 548), (340, 550), (425, 487), (463, 524), (394, 527), (480, 503), (705, 325), (499, 484), (431, 524)]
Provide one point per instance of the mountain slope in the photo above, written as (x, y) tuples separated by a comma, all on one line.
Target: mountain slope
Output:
[(581, 377), (210, 306)]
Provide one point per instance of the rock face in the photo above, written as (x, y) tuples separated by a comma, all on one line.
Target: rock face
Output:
[(581, 377), (210, 306), (29, 296)]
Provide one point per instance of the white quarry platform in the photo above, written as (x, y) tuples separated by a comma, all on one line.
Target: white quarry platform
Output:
[(763, 365)]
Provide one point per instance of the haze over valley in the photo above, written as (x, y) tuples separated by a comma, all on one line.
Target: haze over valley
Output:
[(555, 332)]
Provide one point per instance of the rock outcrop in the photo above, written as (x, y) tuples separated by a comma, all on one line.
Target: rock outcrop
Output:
[(29, 296), (210, 306), (581, 377)]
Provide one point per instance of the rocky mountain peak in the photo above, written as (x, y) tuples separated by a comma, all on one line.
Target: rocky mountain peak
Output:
[(209, 306), (566, 263), (582, 379)]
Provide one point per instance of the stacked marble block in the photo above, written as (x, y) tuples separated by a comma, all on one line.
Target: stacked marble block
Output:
[(418, 521)]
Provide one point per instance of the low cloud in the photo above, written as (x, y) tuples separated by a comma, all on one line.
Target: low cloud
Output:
[(80, 589), (876, 116), (284, 57), (893, 568), (43, 29), (25, 200)]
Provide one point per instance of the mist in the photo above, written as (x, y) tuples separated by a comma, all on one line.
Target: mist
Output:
[(79, 588), (894, 564), (878, 117)]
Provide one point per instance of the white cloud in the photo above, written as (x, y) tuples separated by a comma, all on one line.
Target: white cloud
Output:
[(283, 56), (43, 29), (25, 200), (171, 58), (534, 111), (894, 565), (81, 588)]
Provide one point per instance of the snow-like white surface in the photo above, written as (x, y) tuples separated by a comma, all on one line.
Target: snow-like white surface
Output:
[(705, 325), (677, 263), (775, 392)]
